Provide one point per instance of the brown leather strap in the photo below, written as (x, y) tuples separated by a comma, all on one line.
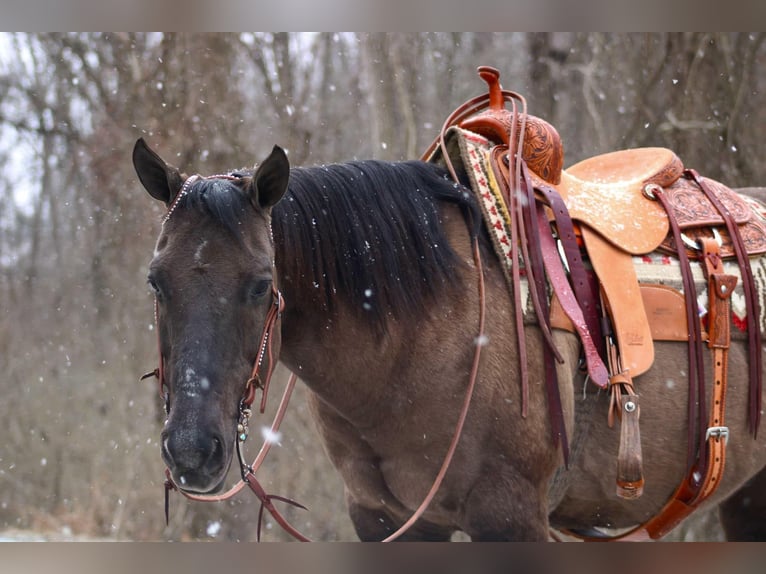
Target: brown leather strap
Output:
[(630, 473), (463, 411), (503, 178), (583, 287), (560, 285), (720, 289), (751, 302), (266, 502), (696, 417), (705, 477), (533, 254), (524, 231), (624, 404), (265, 350), (717, 432)]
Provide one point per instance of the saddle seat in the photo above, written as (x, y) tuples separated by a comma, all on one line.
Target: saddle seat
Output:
[(605, 193)]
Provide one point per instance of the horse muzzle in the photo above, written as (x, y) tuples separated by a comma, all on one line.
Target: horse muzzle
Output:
[(198, 461)]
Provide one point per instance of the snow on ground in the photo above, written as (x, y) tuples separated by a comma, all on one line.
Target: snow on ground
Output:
[(65, 535)]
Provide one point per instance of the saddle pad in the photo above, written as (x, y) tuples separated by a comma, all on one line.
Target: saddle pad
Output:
[(606, 193), (659, 278), (663, 269), (470, 151)]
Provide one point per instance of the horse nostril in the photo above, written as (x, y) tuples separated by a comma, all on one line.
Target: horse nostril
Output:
[(217, 451), (165, 448)]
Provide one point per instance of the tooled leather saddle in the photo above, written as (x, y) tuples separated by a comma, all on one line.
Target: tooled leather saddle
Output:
[(580, 231)]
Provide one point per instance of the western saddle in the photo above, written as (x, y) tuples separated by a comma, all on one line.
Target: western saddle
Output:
[(582, 228)]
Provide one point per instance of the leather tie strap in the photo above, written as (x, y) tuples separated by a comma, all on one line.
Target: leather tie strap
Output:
[(581, 283), (520, 201), (696, 360), (517, 239), (624, 405), (560, 284)]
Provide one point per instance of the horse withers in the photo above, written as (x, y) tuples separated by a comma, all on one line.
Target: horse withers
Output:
[(375, 264)]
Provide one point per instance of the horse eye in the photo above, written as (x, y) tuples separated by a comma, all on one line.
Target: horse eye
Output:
[(153, 284), (260, 288)]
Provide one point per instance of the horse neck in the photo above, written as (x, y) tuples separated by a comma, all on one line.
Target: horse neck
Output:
[(327, 353), (314, 339)]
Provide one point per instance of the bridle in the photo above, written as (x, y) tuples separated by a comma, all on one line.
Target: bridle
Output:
[(256, 381)]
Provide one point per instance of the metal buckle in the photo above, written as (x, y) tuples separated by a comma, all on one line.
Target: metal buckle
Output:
[(718, 432)]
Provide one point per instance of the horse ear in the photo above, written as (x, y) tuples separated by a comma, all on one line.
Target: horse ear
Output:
[(161, 180), (269, 182)]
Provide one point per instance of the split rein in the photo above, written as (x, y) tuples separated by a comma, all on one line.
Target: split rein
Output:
[(255, 382)]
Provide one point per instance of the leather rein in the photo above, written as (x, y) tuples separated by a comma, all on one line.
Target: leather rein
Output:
[(255, 382)]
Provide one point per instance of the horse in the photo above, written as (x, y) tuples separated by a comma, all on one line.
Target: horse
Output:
[(373, 265)]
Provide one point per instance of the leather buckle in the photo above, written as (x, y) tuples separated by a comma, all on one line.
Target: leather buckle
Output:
[(718, 432)]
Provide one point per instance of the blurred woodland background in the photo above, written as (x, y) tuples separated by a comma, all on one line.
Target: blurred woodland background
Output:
[(79, 450)]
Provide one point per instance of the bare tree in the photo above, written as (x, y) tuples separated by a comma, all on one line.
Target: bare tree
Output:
[(76, 232)]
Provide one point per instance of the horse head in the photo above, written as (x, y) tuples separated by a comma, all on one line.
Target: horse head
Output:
[(215, 289)]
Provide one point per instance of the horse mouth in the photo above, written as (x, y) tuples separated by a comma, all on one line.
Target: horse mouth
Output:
[(200, 481), (184, 484)]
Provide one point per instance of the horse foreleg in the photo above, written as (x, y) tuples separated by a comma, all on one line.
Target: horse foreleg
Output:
[(505, 506), (743, 515), (374, 511), (374, 524)]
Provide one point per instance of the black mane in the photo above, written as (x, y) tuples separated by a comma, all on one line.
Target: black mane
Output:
[(220, 198), (369, 233), (365, 232)]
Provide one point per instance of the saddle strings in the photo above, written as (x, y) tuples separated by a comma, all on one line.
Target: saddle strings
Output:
[(516, 141)]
